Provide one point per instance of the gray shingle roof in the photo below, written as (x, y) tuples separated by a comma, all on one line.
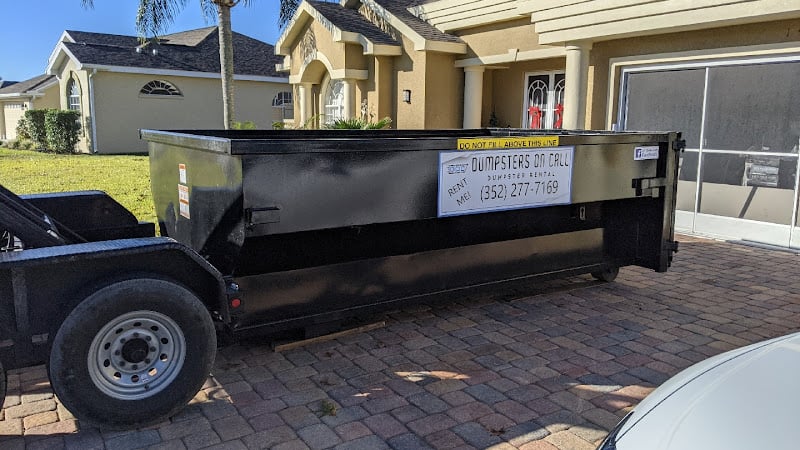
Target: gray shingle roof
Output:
[(28, 85), (194, 50), (399, 8), (351, 20), (6, 83)]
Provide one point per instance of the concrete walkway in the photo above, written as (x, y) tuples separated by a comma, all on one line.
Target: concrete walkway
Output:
[(530, 366)]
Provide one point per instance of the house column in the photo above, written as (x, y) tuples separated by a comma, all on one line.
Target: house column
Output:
[(577, 79), (384, 89), (304, 92), (2, 120), (473, 96), (349, 92)]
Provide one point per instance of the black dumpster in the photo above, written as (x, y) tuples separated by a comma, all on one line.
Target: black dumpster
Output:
[(310, 226)]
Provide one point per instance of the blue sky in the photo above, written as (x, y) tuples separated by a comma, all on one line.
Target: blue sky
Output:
[(31, 28)]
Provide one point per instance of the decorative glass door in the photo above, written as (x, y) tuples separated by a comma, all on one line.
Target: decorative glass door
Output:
[(334, 102), (544, 101)]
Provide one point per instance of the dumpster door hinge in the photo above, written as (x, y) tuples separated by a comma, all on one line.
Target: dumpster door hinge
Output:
[(671, 246), (679, 145), (259, 216), (642, 184)]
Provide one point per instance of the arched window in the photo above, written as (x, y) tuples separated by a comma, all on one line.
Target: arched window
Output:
[(73, 95), (334, 102), (160, 87), (283, 102)]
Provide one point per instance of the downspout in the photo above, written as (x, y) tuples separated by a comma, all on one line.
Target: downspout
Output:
[(91, 110)]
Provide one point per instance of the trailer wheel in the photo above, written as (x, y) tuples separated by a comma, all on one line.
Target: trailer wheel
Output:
[(607, 274), (132, 353)]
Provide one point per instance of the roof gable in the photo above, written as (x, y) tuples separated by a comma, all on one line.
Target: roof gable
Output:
[(32, 86), (401, 10), (188, 51), (348, 22), (344, 24)]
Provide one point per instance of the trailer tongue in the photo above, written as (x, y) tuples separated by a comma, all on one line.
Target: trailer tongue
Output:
[(264, 231)]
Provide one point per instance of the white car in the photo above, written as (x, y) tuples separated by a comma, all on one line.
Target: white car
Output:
[(743, 399)]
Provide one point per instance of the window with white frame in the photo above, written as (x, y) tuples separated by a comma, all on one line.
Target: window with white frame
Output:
[(160, 88), (73, 95), (544, 100), (334, 102), (283, 102)]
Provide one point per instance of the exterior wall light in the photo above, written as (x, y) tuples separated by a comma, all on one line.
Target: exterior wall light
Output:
[(407, 95)]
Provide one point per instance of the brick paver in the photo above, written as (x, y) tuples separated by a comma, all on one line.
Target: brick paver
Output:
[(533, 365)]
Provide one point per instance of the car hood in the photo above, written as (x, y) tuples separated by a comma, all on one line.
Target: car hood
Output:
[(743, 399)]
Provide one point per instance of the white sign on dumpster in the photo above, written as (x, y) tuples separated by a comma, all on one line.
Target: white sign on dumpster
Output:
[(473, 182)]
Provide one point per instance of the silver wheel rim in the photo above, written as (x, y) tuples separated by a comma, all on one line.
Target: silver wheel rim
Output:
[(136, 355)]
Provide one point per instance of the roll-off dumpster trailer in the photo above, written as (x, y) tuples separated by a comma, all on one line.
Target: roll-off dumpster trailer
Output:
[(266, 231)]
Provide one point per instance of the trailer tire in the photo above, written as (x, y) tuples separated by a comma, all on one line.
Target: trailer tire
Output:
[(132, 354), (607, 274)]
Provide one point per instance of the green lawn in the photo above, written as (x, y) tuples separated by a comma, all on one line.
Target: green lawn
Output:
[(126, 178)]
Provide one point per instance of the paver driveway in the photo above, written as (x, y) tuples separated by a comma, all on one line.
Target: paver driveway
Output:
[(532, 366)]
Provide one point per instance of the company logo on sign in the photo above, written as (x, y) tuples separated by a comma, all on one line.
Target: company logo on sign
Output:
[(645, 153), (457, 168)]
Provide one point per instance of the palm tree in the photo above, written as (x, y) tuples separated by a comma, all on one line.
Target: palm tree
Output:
[(154, 17)]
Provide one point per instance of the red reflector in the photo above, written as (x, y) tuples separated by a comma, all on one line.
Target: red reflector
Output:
[(235, 303)]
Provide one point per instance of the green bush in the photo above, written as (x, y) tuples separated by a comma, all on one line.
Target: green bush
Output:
[(62, 129), (249, 125), (20, 144), (359, 123), (31, 127)]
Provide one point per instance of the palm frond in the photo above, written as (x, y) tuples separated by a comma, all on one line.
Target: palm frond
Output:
[(154, 17)]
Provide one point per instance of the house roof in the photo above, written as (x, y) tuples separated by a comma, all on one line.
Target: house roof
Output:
[(402, 10), (28, 87), (6, 83), (347, 22), (193, 51), (351, 20)]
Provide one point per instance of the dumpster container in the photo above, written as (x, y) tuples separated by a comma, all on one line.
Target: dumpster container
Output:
[(313, 226)]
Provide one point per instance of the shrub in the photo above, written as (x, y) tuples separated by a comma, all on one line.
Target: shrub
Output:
[(249, 125), (359, 123), (62, 129), (20, 144), (31, 127)]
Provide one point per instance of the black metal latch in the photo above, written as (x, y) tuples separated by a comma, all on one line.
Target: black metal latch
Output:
[(679, 145), (671, 246), (260, 216), (647, 184)]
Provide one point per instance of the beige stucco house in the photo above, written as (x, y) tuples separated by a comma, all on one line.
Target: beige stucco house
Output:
[(39, 92), (725, 73), (120, 85)]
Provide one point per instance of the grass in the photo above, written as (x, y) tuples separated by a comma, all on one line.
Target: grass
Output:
[(125, 178)]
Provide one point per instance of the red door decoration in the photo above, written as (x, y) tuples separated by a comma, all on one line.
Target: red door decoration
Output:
[(559, 116), (535, 114)]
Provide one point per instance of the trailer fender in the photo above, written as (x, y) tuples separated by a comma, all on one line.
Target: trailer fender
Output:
[(50, 282)]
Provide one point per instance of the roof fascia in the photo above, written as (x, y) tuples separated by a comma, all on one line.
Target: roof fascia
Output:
[(301, 16), (514, 55), (20, 96), (182, 73)]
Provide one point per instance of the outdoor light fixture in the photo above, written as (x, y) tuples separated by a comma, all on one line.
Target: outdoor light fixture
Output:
[(407, 95)]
